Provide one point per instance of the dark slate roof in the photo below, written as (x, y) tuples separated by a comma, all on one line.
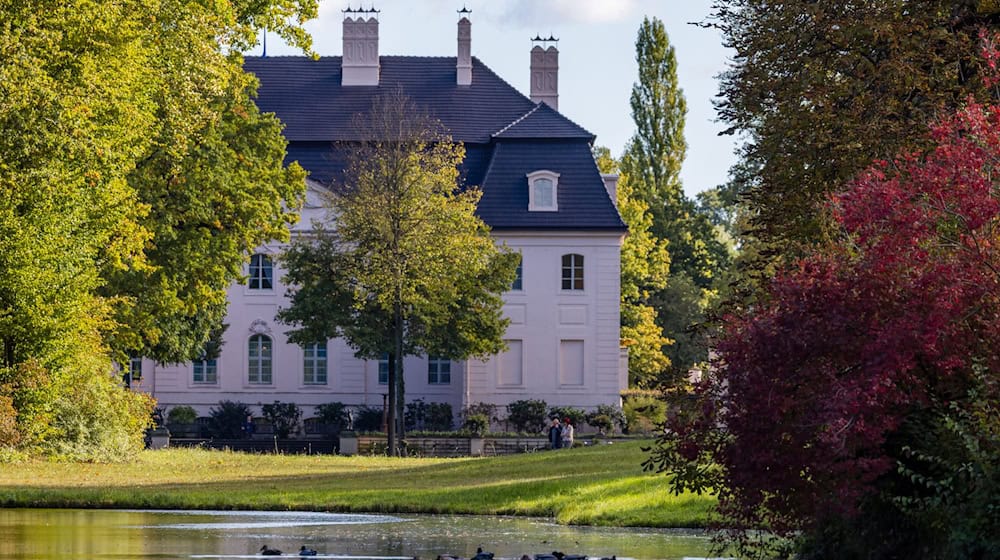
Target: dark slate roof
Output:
[(583, 202), (543, 122), (306, 94), (506, 135)]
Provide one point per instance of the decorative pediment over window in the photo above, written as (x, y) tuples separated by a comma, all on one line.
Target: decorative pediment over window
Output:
[(260, 326), (543, 191)]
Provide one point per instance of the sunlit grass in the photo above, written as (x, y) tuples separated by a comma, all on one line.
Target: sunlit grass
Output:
[(601, 485)]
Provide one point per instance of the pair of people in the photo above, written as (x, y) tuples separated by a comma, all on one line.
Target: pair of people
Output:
[(561, 435)]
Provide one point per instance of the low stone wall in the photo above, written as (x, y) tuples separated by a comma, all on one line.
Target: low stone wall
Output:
[(445, 446)]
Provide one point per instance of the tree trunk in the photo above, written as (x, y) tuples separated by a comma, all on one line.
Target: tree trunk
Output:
[(398, 347), (390, 444)]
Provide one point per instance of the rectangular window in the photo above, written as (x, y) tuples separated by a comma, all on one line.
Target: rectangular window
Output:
[(205, 371), (438, 371), (261, 272), (260, 360), (314, 364), (571, 362), (518, 279), (543, 193), (510, 364), (572, 272), (383, 369), (135, 368)]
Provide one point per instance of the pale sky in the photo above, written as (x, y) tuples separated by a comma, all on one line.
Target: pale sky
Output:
[(596, 58)]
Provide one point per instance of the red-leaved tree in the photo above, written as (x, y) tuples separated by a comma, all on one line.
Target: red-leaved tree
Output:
[(825, 393)]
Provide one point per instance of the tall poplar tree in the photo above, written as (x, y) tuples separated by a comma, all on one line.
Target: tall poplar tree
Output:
[(652, 163)]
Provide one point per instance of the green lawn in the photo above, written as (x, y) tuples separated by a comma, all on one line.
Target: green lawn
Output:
[(600, 485)]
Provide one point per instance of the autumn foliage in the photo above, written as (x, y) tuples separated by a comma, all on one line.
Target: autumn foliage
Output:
[(829, 395)]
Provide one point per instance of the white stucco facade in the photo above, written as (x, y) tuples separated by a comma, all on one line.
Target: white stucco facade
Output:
[(563, 344)]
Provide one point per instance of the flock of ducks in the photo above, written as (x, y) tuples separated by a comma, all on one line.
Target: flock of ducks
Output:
[(480, 555), (303, 551)]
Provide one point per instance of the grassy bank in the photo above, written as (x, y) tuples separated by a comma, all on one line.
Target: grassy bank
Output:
[(601, 485)]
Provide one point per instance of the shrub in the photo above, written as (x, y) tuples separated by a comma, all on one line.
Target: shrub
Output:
[(95, 419), (484, 409), (606, 418), (368, 419), (527, 415), (32, 391), (576, 416), (333, 414), (227, 420), (283, 417), (182, 414), (476, 424), (9, 434), (644, 414), (420, 415), (602, 422), (630, 394)]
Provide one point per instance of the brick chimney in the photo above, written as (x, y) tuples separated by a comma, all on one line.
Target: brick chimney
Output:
[(464, 65), (545, 72), (359, 65)]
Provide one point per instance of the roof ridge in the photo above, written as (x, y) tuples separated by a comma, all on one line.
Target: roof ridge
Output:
[(574, 123), (517, 120)]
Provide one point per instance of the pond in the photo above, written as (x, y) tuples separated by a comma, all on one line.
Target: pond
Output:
[(124, 534)]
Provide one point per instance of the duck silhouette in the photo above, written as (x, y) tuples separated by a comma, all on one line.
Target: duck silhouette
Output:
[(480, 555), (303, 551), (268, 551)]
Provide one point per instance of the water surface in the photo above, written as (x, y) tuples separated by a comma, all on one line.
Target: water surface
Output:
[(121, 534)]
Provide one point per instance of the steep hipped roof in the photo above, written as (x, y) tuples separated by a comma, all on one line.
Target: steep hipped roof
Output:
[(583, 202), (506, 135), (306, 94), (543, 122)]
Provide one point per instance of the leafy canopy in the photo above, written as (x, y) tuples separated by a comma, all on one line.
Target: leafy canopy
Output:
[(835, 393)]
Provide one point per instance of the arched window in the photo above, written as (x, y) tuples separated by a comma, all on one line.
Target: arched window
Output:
[(543, 191), (314, 363), (261, 272), (259, 354), (572, 272)]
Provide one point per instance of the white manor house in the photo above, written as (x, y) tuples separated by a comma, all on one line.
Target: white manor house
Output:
[(542, 195)]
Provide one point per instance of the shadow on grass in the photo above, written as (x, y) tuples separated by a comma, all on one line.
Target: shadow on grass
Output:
[(584, 486)]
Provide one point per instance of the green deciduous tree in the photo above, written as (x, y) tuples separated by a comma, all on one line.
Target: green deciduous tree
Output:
[(135, 172), (404, 267), (645, 265), (821, 89)]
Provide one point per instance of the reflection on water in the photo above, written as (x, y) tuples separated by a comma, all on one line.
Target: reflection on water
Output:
[(86, 534)]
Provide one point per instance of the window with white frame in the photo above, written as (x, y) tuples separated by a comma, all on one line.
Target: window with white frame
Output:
[(314, 363), (259, 357), (438, 371), (205, 370), (261, 273), (383, 369), (135, 368), (572, 272), (543, 191), (518, 283)]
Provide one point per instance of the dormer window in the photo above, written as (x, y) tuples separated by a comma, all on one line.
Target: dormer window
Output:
[(543, 191)]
